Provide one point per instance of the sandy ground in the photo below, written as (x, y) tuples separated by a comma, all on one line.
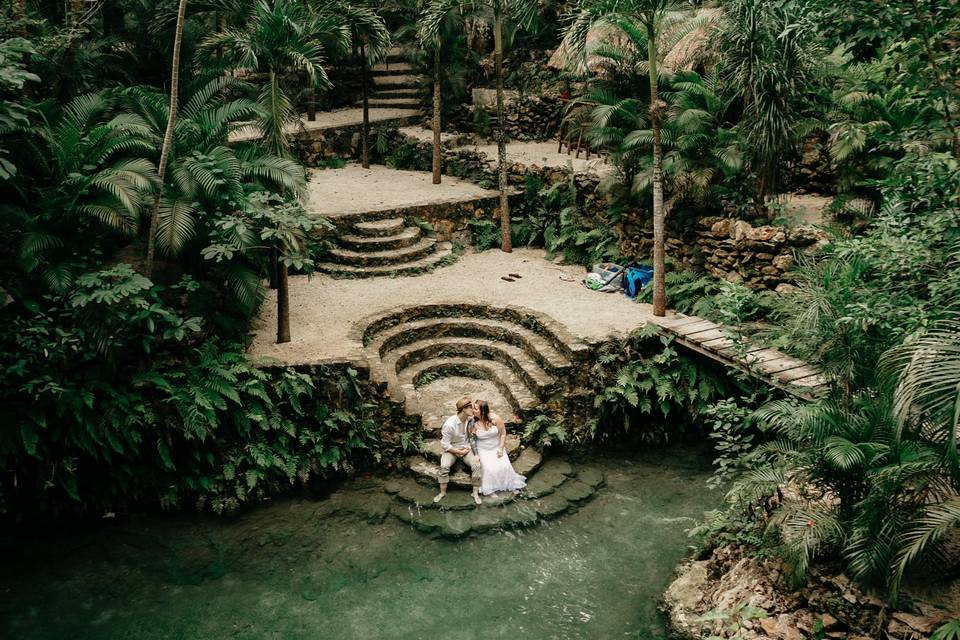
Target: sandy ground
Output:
[(323, 309), (544, 154), (332, 120), (353, 189), (805, 208)]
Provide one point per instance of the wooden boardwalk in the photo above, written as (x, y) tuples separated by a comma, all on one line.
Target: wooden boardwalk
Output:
[(718, 343)]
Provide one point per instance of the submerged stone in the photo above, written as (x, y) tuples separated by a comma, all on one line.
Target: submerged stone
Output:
[(576, 491)]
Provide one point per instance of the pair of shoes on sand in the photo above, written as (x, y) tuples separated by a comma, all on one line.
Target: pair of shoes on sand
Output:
[(511, 277), (441, 496)]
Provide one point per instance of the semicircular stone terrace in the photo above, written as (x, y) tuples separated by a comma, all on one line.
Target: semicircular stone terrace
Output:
[(524, 353)]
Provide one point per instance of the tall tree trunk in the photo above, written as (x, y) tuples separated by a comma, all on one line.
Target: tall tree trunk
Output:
[(312, 104), (436, 112), (505, 243), (276, 138), (365, 136), (167, 138), (659, 215), (283, 303), (272, 266)]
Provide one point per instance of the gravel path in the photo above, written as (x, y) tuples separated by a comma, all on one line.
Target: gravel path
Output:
[(331, 120), (323, 309), (353, 189), (544, 154)]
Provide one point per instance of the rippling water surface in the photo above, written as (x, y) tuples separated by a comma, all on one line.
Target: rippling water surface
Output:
[(300, 569)]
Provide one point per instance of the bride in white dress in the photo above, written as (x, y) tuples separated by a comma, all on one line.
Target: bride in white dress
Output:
[(498, 473)]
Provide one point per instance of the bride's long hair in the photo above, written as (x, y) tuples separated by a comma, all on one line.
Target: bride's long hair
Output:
[(484, 410)]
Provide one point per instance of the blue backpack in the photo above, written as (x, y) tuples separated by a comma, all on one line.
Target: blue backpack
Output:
[(635, 279)]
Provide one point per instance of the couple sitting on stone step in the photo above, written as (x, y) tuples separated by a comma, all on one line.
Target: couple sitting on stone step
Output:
[(477, 437)]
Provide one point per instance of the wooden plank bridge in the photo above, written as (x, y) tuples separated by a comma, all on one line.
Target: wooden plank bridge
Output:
[(720, 343)]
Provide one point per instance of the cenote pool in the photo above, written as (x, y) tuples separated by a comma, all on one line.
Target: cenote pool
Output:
[(302, 569)]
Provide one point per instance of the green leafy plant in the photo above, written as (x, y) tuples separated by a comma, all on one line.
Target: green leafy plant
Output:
[(644, 381), (544, 431), (484, 234), (948, 631)]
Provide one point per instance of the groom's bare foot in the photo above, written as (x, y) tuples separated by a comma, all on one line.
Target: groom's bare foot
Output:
[(476, 498), (440, 496)]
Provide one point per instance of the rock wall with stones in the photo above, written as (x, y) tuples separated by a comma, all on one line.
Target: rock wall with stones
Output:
[(389, 415), (731, 578), (528, 117), (448, 220), (759, 257), (315, 146)]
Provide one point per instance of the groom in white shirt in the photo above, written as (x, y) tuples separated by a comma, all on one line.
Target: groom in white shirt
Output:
[(455, 442)]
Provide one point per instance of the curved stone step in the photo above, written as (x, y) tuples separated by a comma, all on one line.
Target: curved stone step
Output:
[(432, 449), (514, 390), (443, 252), (536, 346), (380, 228), (482, 349), (407, 237), (456, 516), (549, 329), (543, 353), (526, 464), (420, 249)]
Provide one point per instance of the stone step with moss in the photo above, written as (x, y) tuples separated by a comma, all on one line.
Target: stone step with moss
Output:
[(405, 383), (388, 257), (428, 471), (553, 490), (534, 378), (442, 255), (380, 228), (502, 330), (406, 237)]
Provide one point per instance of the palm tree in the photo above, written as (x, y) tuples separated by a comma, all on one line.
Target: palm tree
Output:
[(369, 32), (98, 176), (280, 36), (207, 174), (627, 16), (440, 47), (167, 136), (771, 55), (522, 13)]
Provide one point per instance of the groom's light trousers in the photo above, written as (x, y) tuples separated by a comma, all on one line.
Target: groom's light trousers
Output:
[(447, 460)]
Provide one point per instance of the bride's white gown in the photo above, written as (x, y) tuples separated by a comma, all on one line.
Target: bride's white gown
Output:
[(498, 473)]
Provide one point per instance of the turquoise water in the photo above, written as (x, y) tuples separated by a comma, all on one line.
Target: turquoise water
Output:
[(300, 569)]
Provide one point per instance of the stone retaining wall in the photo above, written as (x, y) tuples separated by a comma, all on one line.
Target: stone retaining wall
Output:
[(529, 117), (734, 250), (449, 220), (313, 146)]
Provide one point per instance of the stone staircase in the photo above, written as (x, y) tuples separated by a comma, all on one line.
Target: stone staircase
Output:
[(396, 84), (384, 247), (524, 354), (527, 355)]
